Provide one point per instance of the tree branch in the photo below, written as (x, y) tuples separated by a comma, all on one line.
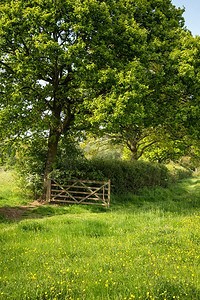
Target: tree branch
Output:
[(7, 66), (145, 147), (69, 117)]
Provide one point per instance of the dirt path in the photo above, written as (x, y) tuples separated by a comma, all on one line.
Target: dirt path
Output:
[(17, 213)]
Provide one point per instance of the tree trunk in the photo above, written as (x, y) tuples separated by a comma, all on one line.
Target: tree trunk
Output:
[(54, 136), (134, 154), (132, 145)]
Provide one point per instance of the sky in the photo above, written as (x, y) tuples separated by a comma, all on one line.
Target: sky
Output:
[(191, 14)]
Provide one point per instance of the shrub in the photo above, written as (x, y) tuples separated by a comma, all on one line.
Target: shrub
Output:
[(30, 161)]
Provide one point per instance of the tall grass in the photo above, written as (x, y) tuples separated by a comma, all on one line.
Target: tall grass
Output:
[(145, 246)]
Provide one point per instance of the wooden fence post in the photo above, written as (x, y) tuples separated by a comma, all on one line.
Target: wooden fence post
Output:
[(109, 183), (48, 194)]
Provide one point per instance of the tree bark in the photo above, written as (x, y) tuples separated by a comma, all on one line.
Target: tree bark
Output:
[(134, 154), (54, 136), (132, 145)]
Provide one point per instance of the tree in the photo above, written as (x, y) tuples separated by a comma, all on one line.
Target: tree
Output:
[(140, 140), (59, 57), (101, 147), (148, 91), (168, 148), (53, 55)]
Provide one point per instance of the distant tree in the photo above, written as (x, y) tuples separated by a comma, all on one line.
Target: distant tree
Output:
[(101, 147), (156, 144), (167, 149), (137, 139)]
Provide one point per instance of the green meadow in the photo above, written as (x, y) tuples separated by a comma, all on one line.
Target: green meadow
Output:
[(145, 246)]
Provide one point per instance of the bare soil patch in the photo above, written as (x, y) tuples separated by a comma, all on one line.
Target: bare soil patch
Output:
[(18, 212)]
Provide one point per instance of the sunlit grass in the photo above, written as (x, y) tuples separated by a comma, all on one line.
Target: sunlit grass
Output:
[(145, 246), (10, 194)]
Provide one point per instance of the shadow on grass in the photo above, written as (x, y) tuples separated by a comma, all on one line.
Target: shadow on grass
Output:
[(4, 220), (17, 213), (176, 288), (14, 214), (58, 209), (180, 198)]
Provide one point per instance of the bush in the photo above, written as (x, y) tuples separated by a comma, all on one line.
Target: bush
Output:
[(30, 161)]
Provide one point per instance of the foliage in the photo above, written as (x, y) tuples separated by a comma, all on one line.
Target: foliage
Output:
[(7, 157), (147, 90), (168, 148), (155, 144), (178, 172), (192, 161), (30, 161), (185, 58), (55, 58), (62, 59), (125, 175), (130, 176)]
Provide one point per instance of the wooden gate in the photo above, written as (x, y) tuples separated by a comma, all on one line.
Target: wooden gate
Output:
[(79, 192)]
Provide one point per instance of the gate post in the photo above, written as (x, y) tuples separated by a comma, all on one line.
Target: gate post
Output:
[(48, 194), (109, 184)]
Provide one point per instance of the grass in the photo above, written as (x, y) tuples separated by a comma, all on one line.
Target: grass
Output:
[(10, 195), (145, 246)]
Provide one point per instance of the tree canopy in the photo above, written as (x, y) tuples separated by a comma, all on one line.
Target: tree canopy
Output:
[(66, 62), (147, 91)]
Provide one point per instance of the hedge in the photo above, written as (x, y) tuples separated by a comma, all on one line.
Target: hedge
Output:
[(125, 176)]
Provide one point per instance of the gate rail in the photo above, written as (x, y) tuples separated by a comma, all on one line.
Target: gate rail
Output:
[(79, 192)]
